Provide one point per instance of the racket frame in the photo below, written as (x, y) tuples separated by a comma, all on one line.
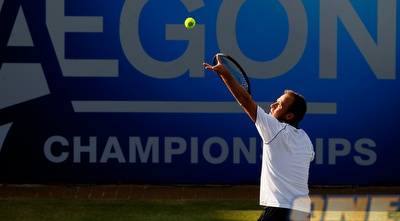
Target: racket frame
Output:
[(215, 61)]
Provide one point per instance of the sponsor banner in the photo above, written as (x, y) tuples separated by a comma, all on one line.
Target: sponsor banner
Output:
[(114, 91), (353, 207)]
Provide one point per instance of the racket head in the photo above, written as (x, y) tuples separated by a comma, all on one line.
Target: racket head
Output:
[(235, 69)]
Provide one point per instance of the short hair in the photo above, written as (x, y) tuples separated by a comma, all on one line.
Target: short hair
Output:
[(298, 107)]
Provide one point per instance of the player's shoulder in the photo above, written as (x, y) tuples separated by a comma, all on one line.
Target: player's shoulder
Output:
[(299, 132)]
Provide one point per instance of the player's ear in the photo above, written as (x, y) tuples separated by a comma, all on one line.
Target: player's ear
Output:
[(289, 116)]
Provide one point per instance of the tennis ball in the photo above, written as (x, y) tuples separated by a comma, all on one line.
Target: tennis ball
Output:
[(190, 23)]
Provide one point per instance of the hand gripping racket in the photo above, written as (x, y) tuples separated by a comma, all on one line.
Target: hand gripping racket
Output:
[(236, 70)]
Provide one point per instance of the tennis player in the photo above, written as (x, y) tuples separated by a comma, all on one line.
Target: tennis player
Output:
[(287, 150)]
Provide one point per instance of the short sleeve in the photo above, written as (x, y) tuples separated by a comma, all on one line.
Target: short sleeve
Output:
[(267, 125)]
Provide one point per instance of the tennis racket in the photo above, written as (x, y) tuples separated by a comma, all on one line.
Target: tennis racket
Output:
[(235, 69)]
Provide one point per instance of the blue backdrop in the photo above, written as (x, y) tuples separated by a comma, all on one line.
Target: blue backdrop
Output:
[(100, 91)]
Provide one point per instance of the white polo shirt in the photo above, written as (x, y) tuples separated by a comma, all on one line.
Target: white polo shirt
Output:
[(287, 153)]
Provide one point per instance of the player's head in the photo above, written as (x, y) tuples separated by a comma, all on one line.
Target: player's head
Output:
[(298, 107), (289, 108)]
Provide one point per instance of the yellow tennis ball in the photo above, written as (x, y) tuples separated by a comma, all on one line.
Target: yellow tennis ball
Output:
[(190, 23)]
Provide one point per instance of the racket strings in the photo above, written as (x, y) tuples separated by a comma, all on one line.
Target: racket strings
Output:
[(243, 82), (237, 74), (235, 69)]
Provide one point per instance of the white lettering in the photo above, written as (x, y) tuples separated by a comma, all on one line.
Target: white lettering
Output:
[(381, 56), (135, 145), (319, 151), (171, 149), (207, 150), (138, 57), (379, 50), (58, 25), (194, 157), (291, 54), (334, 152), (362, 153), (249, 154), (112, 150), (79, 149), (362, 146), (48, 149), (214, 150)]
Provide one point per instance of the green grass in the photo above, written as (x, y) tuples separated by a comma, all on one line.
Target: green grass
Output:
[(86, 210)]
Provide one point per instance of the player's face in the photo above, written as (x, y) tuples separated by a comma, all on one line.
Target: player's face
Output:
[(280, 107)]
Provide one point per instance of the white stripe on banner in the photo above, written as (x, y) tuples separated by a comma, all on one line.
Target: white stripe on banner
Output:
[(181, 107), (3, 133)]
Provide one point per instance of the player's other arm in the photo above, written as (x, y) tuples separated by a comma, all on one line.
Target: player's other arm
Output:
[(239, 93)]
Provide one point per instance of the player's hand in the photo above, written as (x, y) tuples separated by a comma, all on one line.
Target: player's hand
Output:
[(219, 68)]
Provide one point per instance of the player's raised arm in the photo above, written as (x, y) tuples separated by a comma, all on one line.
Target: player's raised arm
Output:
[(238, 91)]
